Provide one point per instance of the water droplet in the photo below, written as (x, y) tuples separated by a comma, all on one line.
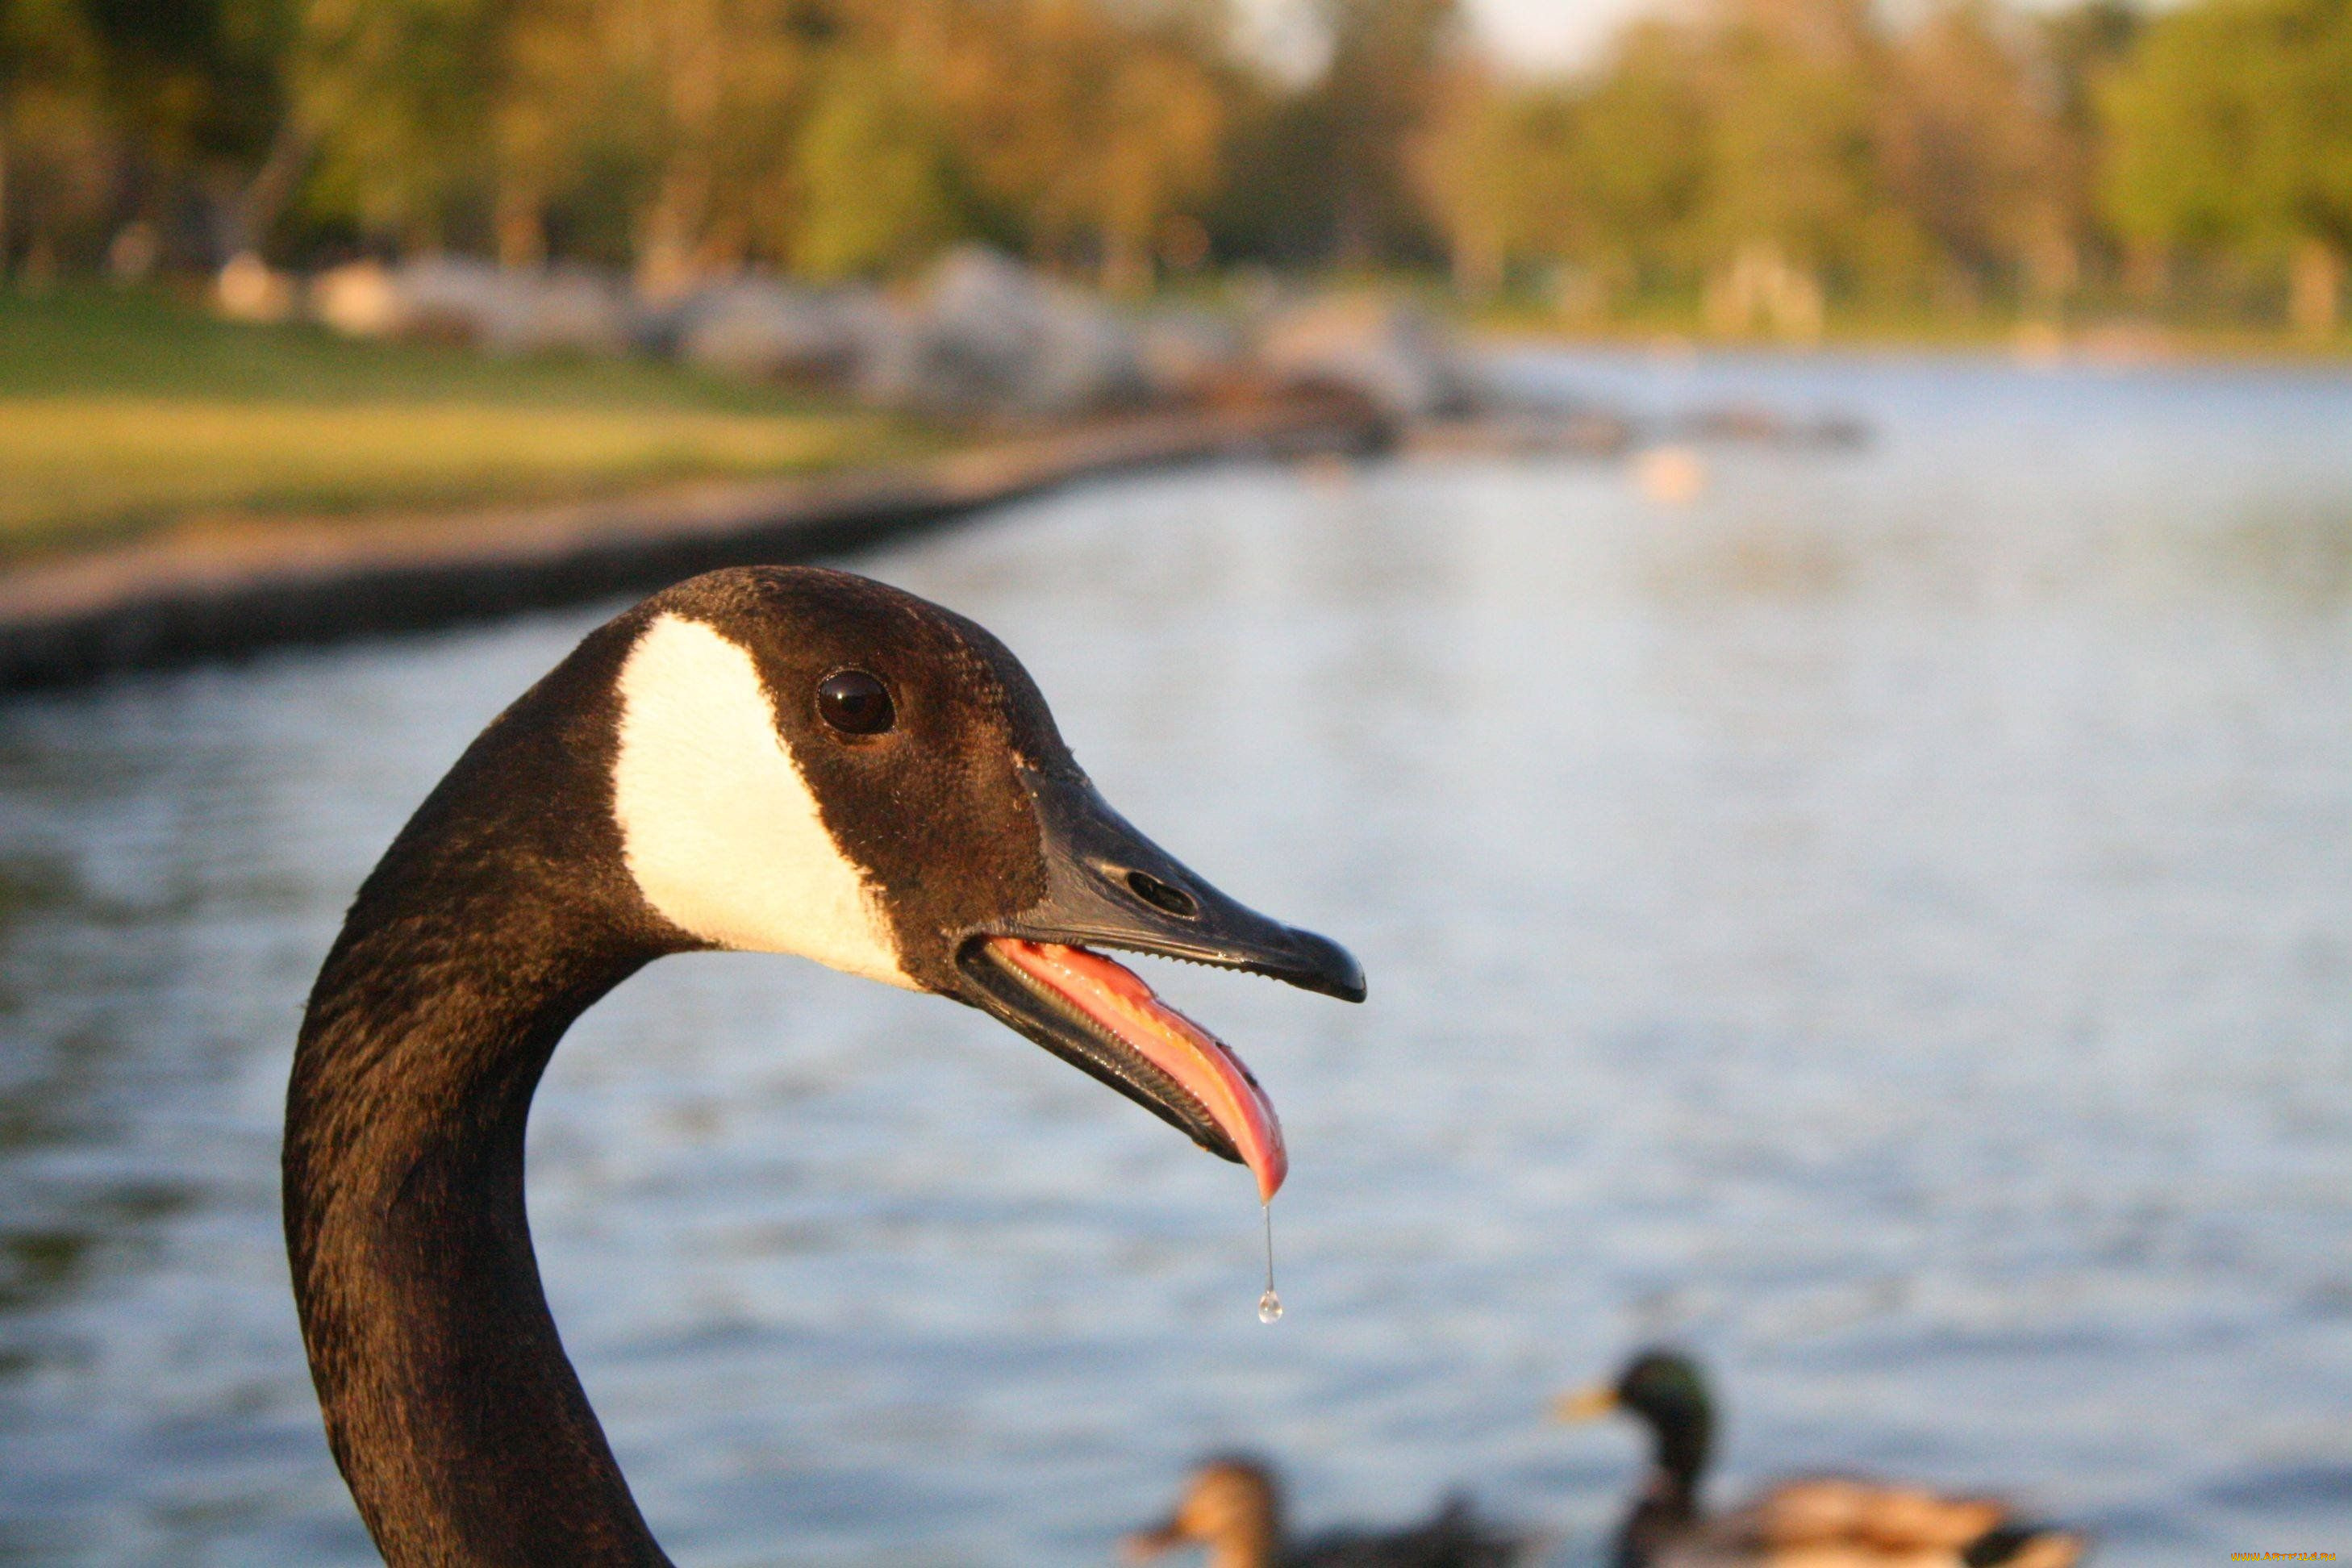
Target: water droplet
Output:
[(1269, 1306)]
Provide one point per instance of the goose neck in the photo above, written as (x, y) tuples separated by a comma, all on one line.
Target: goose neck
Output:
[(450, 1405)]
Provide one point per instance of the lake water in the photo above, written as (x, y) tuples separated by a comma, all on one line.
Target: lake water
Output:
[(1886, 923)]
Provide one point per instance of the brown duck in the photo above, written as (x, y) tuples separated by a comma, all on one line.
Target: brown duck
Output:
[(1233, 1508), (1814, 1522)]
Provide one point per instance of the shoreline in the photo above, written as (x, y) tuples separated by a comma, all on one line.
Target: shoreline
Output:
[(2113, 346), (196, 597)]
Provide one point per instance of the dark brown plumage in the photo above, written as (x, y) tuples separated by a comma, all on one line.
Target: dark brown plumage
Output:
[(1233, 1508), (778, 805)]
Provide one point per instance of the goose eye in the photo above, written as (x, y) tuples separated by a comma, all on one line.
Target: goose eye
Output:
[(855, 703)]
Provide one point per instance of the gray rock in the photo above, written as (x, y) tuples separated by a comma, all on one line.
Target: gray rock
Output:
[(567, 310), (755, 327), (1396, 357), (450, 299), (1188, 353), (456, 299), (992, 338)]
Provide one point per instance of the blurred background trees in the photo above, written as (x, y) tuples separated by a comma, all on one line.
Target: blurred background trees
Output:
[(2232, 149), (1759, 165)]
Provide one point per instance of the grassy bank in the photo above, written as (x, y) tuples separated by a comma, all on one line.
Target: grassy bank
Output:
[(121, 414)]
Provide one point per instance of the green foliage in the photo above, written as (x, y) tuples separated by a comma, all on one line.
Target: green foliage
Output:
[(1765, 156), (1773, 154), (1981, 166), (875, 177), (1631, 155), (403, 93), (193, 79), (2232, 128), (53, 127), (1790, 144)]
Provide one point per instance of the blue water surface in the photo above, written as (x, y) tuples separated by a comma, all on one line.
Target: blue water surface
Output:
[(1885, 922)]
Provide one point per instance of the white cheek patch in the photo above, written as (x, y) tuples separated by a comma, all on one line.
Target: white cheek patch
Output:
[(718, 824)]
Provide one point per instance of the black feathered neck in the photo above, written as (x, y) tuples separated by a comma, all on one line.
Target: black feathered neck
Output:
[(500, 913)]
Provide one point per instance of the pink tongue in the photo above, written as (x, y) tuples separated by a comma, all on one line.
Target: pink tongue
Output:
[(1115, 998)]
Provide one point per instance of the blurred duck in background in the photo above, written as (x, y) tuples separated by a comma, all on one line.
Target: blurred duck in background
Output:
[(1233, 1508), (1817, 1521)]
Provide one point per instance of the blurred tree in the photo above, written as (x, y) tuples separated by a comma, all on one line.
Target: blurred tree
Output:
[(1764, 153), (193, 89), (2231, 135), (1162, 126), (1388, 61), (1792, 151), (2076, 51), (876, 181), (1093, 127), (262, 146), (401, 93), (54, 168), (148, 110), (554, 113), (1595, 177), (1275, 201), (1975, 159), (720, 90), (1639, 175), (1473, 178)]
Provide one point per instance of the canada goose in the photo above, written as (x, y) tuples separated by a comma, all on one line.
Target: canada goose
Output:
[(1818, 1522), (764, 758), (1233, 1507)]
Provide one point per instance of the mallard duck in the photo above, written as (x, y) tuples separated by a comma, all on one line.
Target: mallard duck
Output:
[(1233, 1508), (1814, 1522)]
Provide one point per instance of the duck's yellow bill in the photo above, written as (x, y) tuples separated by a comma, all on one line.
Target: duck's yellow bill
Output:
[(1585, 1403)]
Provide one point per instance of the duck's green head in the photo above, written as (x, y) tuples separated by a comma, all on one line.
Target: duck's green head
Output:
[(1664, 1387), (1665, 1390)]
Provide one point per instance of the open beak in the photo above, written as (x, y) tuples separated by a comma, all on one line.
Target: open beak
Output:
[(1585, 1403), (1108, 885)]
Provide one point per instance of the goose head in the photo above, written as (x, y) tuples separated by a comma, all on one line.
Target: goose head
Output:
[(806, 762)]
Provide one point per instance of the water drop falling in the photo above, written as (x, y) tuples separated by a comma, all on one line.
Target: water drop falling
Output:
[(1269, 1306)]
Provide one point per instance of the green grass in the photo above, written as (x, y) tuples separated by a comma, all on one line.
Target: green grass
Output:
[(122, 413)]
